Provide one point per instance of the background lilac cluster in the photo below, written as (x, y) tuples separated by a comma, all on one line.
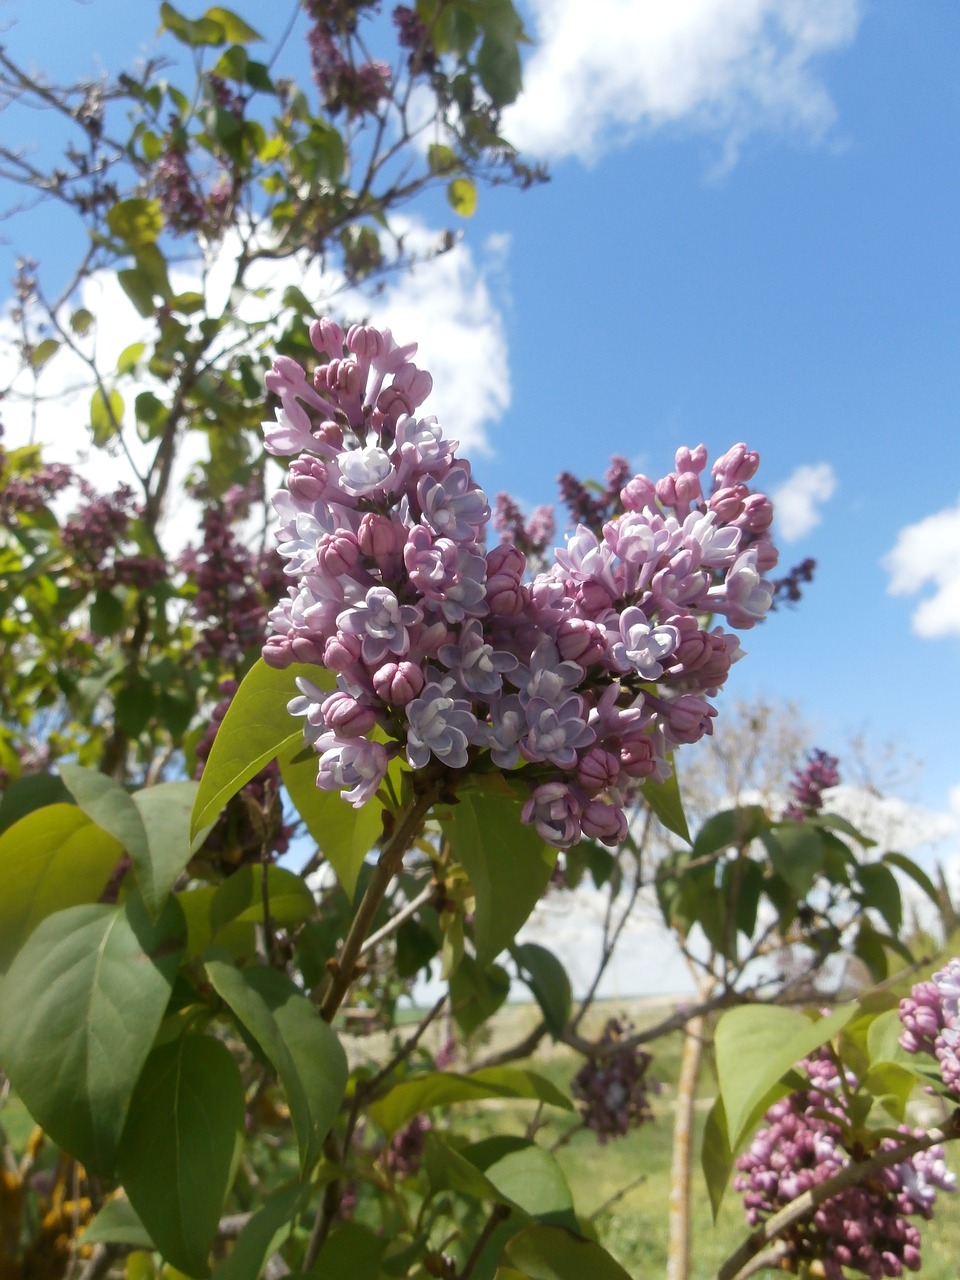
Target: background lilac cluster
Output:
[(585, 677), (613, 1087), (807, 1139), (931, 1022)]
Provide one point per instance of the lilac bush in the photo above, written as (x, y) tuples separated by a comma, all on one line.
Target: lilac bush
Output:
[(931, 1022), (583, 679), (809, 1137)]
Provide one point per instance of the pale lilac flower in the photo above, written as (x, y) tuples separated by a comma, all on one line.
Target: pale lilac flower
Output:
[(641, 646), (441, 725), (453, 506), (476, 665), (383, 624), (555, 733), (364, 470), (355, 768)]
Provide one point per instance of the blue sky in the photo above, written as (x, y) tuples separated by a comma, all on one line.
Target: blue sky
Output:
[(752, 232)]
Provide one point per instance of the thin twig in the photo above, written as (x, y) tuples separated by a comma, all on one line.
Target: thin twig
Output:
[(402, 916)]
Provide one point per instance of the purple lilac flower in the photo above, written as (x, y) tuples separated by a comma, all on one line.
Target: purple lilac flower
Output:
[(582, 678), (809, 783), (804, 1142), (931, 1022)]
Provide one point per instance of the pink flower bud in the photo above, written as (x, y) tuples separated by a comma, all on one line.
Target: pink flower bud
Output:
[(364, 341), (604, 822), (757, 513), (346, 716), (341, 652), (338, 552), (637, 757), (687, 488), (306, 649), (638, 493), (666, 490), (728, 502), (580, 640), (381, 538), (597, 770), (327, 337), (691, 460), (398, 683), (594, 598), (307, 478), (737, 466)]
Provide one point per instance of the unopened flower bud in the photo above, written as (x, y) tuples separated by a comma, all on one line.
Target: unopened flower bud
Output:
[(638, 493), (327, 338), (346, 716), (597, 770), (580, 640), (398, 683)]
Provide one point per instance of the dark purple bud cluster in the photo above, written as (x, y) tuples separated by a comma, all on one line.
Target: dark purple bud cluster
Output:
[(789, 588), (232, 587), (405, 1152), (613, 1087), (178, 191), (931, 1022), (806, 1140), (94, 536), (343, 85), (809, 783), (583, 679), (414, 34), (532, 536), (27, 484)]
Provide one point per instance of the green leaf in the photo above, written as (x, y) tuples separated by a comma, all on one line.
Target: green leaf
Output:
[(664, 799), (716, 1158), (881, 891), (81, 320), (27, 794), (201, 31), (526, 1177), (499, 69), (796, 853), (117, 1223), (508, 863), (916, 874), (107, 613), (304, 1051), (79, 1010), (130, 357), (344, 834), (263, 1235), (441, 159), (42, 352), (256, 729), (106, 415), (137, 222), (733, 827), (53, 858), (448, 1169), (165, 813), (138, 287), (240, 898), (153, 825), (833, 822), (548, 980), (350, 1250), (178, 1146), (755, 1045), (151, 413), (442, 1088), (476, 992), (462, 195), (234, 28), (550, 1253)]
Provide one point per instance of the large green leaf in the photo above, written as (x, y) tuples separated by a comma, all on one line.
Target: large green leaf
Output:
[(731, 827), (305, 1052), (548, 980), (52, 859), (525, 1176), (508, 863), (153, 825), (344, 834), (240, 898), (550, 1253), (664, 799), (796, 853), (476, 992), (178, 1146), (440, 1089), (755, 1045), (716, 1158), (263, 1234), (79, 1010), (27, 794), (256, 729), (117, 1223)]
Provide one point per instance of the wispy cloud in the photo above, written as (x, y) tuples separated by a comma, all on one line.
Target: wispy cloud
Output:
[(798, 500), (928, 553), (605, 70)]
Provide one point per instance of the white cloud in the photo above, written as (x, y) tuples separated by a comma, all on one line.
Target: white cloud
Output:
[(798, 499), (444, 304), (604, 70), (929, 552)]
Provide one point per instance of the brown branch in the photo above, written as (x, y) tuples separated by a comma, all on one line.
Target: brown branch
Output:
[(342, 970)]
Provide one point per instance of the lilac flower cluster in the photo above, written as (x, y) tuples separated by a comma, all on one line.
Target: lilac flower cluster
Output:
[(806, 1141), (404, 1155), (809, 783), (613, 1087), (232, 586), (931, 1022), (584, 678), (94, 535), (26, 490), (344, 86)]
